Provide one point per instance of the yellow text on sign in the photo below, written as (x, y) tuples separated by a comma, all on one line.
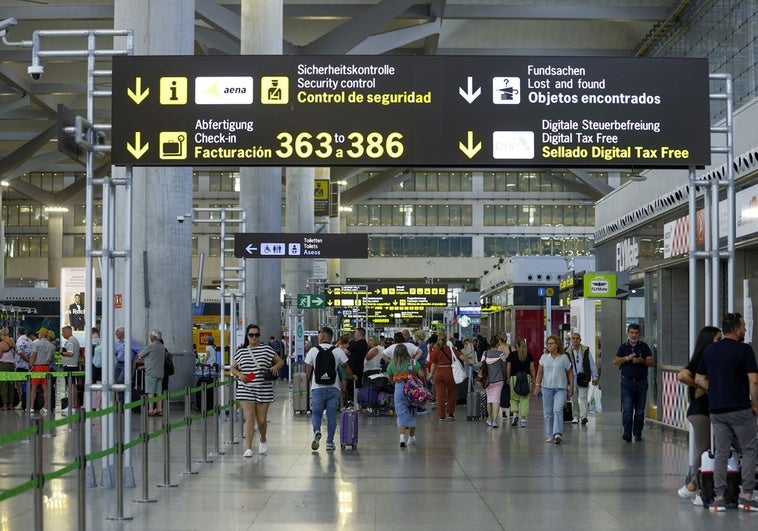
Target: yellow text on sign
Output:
[(275, 90), (173, 91)]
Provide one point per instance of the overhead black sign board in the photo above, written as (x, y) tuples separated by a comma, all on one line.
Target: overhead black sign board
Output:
[(410, 111), (384, 304), (298, 245)]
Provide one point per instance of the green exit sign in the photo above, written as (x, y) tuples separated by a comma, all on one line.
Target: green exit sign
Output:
[(311, 300)]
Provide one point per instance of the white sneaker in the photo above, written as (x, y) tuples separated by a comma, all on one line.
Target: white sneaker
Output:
[(402, 441), (686, 493), (523, 423), (43, 411), (549, 440), (262, 448), (489, 422), (316, 439), (64, 412), (697, 501), (575, 420), (412, 440), (248, 453)]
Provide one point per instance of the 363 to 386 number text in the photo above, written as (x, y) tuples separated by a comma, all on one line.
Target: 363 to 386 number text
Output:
[(324, 145)]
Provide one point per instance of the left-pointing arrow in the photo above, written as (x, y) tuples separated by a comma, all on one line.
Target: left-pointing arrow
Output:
[(137, 95), (137, 150), (250, 249)]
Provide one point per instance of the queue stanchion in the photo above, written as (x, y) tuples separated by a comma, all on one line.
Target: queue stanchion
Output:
[(81, 485), (217, 421), (39, 475), (231, 411), (28, 412), (204, 432), (188, 432), (119, 461), (144, 427), (166, 444), (49, 402)]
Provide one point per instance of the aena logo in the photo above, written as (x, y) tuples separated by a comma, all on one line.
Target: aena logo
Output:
[(233, 90)]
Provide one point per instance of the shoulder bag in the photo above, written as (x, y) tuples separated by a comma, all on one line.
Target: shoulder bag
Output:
[(458, 373)]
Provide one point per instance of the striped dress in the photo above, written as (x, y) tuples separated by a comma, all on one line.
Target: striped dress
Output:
[(257, 360)]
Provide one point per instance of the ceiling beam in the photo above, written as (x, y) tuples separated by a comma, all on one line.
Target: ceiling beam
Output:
[(15, 159), (219, 17), (382, 181), (384, 42), (348, 35)]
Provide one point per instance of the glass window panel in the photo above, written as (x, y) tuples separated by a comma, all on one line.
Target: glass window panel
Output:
[(362, 215), (443, 182), (214, 246), (397, 215), (80, 218), (489, 215), (194, 246), (431, 182), (455, 246), (511, 215), (454, 213), (375, 215), (489, 182), (437, 215), (419, 215), (467, 217)]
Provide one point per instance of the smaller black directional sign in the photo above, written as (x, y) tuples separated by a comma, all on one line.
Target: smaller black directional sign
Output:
[(299, 245)]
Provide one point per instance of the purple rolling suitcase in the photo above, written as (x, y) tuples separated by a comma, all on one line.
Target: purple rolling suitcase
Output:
[(349, 427)]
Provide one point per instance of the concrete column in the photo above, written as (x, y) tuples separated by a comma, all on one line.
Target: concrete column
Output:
[(161, 296), (299, 212), (261, 188), (54, 248)]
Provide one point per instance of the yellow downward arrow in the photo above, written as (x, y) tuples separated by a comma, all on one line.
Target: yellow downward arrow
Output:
[(137, 150), (470, 149), (137, 95)]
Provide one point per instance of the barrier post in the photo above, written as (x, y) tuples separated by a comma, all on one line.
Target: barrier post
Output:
[(119, 461), (48, 401), (28, 412), (231, 411), (166, 445), (217, 422), (82, 472), (204, 433), (38, 474), (188, 432), (145, 458)]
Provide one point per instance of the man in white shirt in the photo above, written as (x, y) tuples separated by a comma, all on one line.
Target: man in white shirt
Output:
[(325, 385), (70, 362)]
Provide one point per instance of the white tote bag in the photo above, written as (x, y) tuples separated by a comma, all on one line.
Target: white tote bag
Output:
[(594, 399), (458, 373)]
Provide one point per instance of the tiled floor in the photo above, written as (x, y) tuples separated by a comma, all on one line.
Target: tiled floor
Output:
[(461, 475)]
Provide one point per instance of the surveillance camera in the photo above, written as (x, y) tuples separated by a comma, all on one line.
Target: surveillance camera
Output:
[(6, 24), (180, 219), (36, 71)]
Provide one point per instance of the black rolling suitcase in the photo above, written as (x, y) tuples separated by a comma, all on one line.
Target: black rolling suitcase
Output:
[(205, 374), (138, 388)]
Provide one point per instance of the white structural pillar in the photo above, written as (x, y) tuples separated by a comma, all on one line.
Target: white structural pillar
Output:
[(161, 254), (261, 188), (299, 212), (54, 248)]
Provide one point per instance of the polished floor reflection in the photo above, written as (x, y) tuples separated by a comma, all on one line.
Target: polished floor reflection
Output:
[(460, 475)]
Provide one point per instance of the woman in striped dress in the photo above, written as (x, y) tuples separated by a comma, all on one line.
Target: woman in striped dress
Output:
[(254, 392)]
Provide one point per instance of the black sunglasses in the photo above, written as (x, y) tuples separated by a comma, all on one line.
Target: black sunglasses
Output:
[(253, 334)]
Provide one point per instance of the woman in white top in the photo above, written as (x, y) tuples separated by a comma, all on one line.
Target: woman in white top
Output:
[(372, 361), (555, 382)]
